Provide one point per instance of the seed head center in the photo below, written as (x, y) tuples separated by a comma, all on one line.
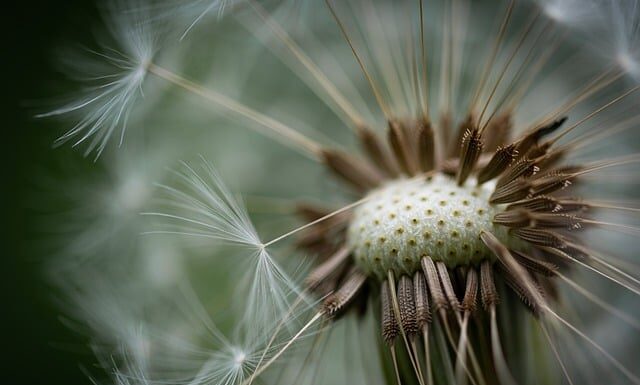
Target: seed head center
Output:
[(406, 220)]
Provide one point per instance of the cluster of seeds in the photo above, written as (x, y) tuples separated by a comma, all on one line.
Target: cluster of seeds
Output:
[(409, 219), (436, 234)]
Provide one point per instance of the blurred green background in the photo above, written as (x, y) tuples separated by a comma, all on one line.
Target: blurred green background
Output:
[(38, 347)]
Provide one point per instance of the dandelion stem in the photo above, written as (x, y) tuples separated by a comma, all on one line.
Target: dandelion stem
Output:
[(598, 301), (501, 365), (394, 359), (332, 214), (522, 39), (396, 310), (627, 286), (372, 84), (273, 359), (283, 133), (555, 352), (277, 331), (601, 81), (494, 52), (606, 354), (341, 101), (423, 59), (597, 111), (513, 83), (427, 355)]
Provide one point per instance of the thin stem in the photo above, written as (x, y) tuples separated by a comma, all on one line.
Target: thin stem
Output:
[(276, 129), (606, 354), (324, 218), (341, 101), (273, 359), (372, 84), (396, 310), (423, 59), (597, 111)]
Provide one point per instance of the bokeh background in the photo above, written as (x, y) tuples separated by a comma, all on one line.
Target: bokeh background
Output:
[(37, 347)]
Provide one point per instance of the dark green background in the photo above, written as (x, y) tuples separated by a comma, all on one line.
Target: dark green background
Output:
[(37, 347)]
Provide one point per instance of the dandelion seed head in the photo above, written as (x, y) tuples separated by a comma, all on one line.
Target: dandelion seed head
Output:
[(499, 207), (113, 77)]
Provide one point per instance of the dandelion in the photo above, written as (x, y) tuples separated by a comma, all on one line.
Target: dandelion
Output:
[(488, 194), (114, 78), (211, 211)]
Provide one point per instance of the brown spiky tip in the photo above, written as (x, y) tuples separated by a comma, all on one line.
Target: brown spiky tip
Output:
[(407, 306), (550, 127), (426, 146), (351, 170), (540, 203), (389, 325), (447, 286), (538, 237), (347, 291), (512, 218), (331, 267), (551, 221), (550, 183), (454, 145), (376, 151), (421, 296), (498, 132), (532, 301), (511, 192), (524, 167), (471, 291), (310, 212), (569, 205), (539, 151), (535, 265), (400, 142), (515, 274), (488, 292), (433, 283), (499, 162), (469, 153), (532, 138)]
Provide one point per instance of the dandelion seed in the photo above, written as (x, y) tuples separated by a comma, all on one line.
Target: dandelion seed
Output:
[(115, 77), (212, 210), (204, 207)]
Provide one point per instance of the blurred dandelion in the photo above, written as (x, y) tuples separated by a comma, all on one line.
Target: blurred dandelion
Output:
[(490, 203), (113, 77)]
